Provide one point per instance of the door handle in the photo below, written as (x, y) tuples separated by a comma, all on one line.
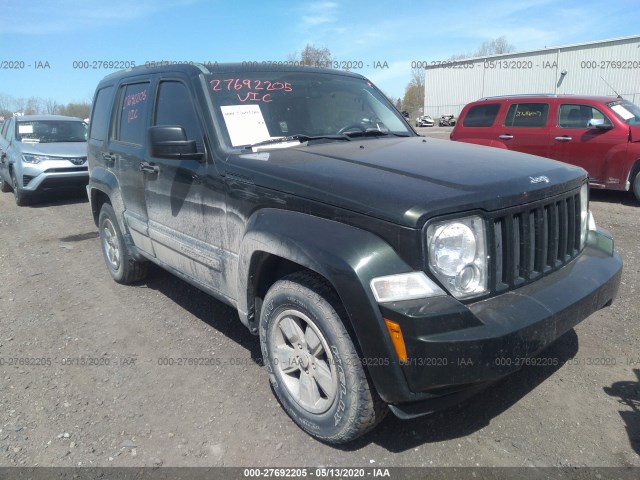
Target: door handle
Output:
[(505, 137), (147, 167), (564, 139), (108, 157)]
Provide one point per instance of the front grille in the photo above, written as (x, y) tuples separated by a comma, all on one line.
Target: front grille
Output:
[(533, 241), (26, 179), (67, 170)]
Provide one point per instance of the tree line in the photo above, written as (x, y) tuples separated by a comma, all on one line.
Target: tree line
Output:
[(41, 106)]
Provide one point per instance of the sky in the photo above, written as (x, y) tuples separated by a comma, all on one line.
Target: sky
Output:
[(45, 46)]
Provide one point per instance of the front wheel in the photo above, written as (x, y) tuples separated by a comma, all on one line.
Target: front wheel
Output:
[(19, 195), (313, 365), (123, 268)]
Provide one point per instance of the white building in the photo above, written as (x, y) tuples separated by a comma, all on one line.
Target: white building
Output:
[(597, 68)]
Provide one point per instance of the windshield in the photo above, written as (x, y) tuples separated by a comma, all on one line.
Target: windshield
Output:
[(626, 111), (255, 107), (50, 131)]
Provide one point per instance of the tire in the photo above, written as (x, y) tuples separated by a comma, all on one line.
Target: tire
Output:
[(636, 186), (338, 403), (123, 268), (4, 186), (22, 199)]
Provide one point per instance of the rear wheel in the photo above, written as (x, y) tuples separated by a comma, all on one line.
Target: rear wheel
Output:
[(4, 186), (123, 268), (636, 186), (313, 366)]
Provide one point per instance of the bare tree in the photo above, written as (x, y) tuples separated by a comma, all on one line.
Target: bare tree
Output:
[(80, 110), (312, 56), (496, 46), (50, 106), (413, 99), (34, 106), (6, 106)]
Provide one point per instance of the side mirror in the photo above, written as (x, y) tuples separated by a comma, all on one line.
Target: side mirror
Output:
[(599, 124), (171, 142)]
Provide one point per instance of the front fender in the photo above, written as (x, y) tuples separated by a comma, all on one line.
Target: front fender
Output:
[(348, 258)]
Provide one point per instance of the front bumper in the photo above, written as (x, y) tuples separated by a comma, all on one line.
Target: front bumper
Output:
[(37, 179), (454, 349)]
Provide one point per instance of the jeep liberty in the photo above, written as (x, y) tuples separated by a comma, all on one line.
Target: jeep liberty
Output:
[(381, 270)]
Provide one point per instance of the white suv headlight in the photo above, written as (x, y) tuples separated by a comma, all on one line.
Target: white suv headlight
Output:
[(458, 255), (36, 158)]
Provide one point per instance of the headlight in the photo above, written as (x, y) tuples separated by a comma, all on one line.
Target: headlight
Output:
[(405, 286), (584, 214), (457, 255), (36, 158)]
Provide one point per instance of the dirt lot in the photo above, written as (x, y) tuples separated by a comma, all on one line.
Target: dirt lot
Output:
[(94, 390)]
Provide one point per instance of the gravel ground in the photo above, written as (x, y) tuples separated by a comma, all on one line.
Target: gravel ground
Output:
[(94, 389)]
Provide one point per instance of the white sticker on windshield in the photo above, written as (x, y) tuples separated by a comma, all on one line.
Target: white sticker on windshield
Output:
[(623, 112), (245, 124), (25, 129)]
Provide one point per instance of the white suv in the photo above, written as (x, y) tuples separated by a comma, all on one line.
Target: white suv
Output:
[(39, 152)]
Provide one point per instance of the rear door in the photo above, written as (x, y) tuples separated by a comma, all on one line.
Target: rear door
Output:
[(574, 142), (127, 150), (525, 129)]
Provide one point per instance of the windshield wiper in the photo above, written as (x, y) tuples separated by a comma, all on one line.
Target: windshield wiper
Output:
[(300, 138), (374, 132)]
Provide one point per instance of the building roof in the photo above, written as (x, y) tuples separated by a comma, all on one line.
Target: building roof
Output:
[(540, 50)]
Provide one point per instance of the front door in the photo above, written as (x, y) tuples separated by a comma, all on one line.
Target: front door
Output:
[(185, 198), (576, 143)]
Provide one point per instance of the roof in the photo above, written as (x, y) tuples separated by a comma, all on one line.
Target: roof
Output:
[(33, 118), (213, 68), (533, 96)]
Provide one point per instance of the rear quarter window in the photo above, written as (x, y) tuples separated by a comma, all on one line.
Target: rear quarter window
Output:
[(481, 115), (527, 115), (101, 114)]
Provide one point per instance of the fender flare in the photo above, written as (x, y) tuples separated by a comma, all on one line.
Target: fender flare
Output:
[(347, 257), (104, 181)]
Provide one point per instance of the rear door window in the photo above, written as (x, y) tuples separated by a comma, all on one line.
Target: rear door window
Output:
[(481, 115), (132, 117), (527, 115)]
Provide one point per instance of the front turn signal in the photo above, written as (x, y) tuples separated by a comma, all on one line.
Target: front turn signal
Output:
[(395, 332)]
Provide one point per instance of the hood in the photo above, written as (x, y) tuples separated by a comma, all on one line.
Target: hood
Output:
[(55, 149), (407, 180)]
